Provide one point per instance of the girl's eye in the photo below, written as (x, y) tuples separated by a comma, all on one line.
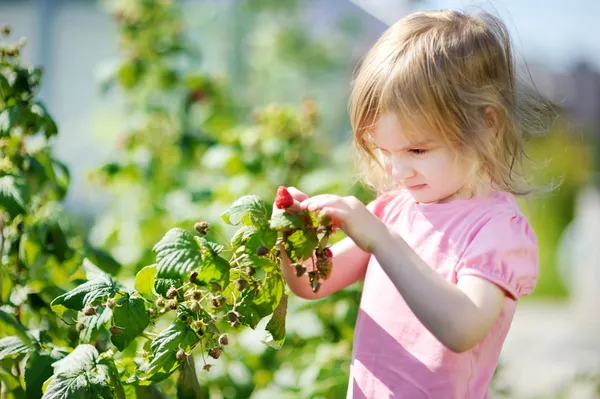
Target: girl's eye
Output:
[(417, 151)]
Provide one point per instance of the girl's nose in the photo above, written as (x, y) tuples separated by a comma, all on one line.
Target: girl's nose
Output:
[(401, 171)]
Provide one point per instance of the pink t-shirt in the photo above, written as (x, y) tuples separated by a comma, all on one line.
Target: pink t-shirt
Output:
[(394, 355)]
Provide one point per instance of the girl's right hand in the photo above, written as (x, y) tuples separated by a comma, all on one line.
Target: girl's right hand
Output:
[(298, 196)]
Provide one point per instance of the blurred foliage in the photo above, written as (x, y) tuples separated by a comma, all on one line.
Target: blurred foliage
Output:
[(190, 146)]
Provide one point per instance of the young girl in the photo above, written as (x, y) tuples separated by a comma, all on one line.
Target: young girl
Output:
[(444, 251)]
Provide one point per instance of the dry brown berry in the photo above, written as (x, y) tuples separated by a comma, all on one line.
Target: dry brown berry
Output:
[(160, 303), (215, 353), (194, 306), (194, 277), (300, 270), (240, 284), (181, 355), (172, 292), (114, 330), (111, 303), (197, 295), (250, 271), (262, 250), (207, 367), (172, 304), (201, 228), (223, 339), (219, 301), (232, 316), (79, 326), (89, 310)]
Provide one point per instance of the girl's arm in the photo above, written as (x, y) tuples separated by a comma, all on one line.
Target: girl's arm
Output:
[(349, 266), (458, 316)]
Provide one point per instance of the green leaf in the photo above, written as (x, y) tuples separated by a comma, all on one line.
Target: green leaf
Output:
[(93, 324), (162, 285), (286, 221), (13, 194), (144, 281), (264, 236), (103, 260), (76, 299), (82, 358), (9, 118), (38, 369), (83, 373), (242, 235), (131, 316), (214, 268), (68, 386), (164, 347), (213, 247), (304, 243), (177, 253), (250, 210), (12, 347), (276, 326), (258, 303), (20, 330)]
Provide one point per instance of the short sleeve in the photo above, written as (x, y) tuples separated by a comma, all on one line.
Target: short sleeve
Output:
[(384, 203), (505, 252)]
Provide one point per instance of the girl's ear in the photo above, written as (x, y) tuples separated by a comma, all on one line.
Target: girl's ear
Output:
[(492, 119)]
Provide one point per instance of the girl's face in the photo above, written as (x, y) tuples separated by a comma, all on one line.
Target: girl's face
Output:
[(428, 169)]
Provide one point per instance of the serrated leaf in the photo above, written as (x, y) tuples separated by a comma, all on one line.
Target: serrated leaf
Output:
[(177, 253), (164, 348), (93, 324), (286, 221), (9, 117), (258, 303), (303, 243), (67, 386), (264, 236), (214, 268), (131, 316), (82, 358), (276, 326), (162, 285), (38, 369), (144, 281), (213, 247), (13, 194), (242, 235), (12, 347), (250, 210), (86, 293)]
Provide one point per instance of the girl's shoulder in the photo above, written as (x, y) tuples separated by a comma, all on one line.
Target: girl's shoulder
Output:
[(388, 203)]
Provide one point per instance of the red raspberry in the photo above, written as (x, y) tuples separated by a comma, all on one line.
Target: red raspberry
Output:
[(327, 253), (283, 199)]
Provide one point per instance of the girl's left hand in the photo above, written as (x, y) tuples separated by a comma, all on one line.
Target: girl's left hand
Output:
[(352, 215)]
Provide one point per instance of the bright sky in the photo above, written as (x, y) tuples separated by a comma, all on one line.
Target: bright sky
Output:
[(555, 33)]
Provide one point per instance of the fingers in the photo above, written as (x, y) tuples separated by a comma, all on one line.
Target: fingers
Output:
[(320, 201), (297, 194)]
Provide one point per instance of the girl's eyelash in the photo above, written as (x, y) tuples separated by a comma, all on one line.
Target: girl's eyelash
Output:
[(417, 151)]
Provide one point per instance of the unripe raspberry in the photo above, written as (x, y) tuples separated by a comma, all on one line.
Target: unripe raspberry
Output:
[(240, 284), (223, 339), (181, 355), (172, 292), (89, 310), (79, 326), (232, 316), (159, 303), (201, 228), (172, 304), (111, 303), (194, 306), (215, 353), (114, 330), (250, 271)]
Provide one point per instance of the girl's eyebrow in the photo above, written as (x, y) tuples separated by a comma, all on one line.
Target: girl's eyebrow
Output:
[(416, 144)]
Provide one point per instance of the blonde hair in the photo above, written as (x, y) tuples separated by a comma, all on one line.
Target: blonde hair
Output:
[(446, 70)]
